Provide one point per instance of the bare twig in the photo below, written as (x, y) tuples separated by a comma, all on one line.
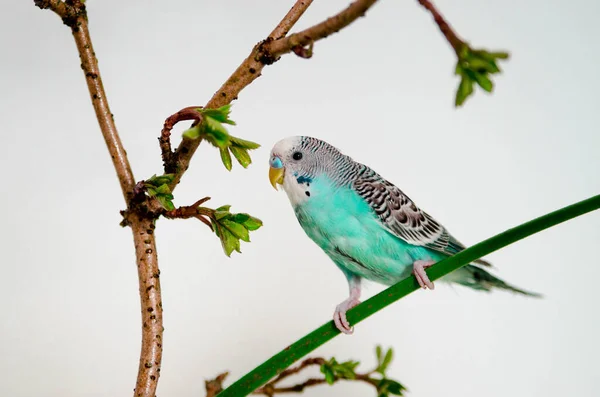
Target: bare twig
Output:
[(456, 43), (290, 19), (317, 32), (271, 388), (189, 113), (215, 386), (264, 53), (193, 211)]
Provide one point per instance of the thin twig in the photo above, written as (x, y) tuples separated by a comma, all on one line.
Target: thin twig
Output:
[(264, 53), (189, 113), (193, 211), (456, 43), (290, 19), (270, 389), (320, 31), (215, 386)]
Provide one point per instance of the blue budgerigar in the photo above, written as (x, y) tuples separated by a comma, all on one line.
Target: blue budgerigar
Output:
[(367, 226)]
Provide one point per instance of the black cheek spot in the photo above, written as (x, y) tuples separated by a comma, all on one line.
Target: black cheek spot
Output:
[(307, 193)]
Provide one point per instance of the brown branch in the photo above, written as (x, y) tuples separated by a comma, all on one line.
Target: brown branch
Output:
[(320, 31), (193, 211), (73, 13), (151, 306), (189, 113), (456, 43), (290, 19), (215, 386), (270, 389), (265, 53)]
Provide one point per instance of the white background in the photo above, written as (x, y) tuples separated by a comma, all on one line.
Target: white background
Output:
[(382, 91)]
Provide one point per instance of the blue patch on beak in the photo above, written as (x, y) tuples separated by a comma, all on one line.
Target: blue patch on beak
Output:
[(275, 162)]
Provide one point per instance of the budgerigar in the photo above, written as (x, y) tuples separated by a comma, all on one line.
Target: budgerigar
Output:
[(367, 226)]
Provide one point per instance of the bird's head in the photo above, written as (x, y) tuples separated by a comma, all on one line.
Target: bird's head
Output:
[(298, 160), (290, 159)]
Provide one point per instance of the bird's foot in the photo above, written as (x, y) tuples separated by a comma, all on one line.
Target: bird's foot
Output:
[(339, 316), (419, 272)]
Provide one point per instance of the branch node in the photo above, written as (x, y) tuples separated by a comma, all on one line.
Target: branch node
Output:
[(263, 55), (192, 211), (304, 52), (70, 11)]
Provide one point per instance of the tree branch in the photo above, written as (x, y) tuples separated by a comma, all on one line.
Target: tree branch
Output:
[(270, 368), (151, 306), (456, 43), (73, 13), (274, 49), (265, 53), (215, 386), (189, 113), (290, 19), (193, 211)]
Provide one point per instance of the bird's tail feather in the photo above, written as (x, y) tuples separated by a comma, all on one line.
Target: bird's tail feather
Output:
[(480, 279)]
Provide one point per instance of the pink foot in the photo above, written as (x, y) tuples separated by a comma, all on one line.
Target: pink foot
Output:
[(419, 272), (339, 316)]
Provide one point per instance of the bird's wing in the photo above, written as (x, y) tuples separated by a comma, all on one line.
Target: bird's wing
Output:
[(400, 216)]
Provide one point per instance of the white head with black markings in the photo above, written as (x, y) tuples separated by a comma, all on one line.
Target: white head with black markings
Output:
[(296, 161)]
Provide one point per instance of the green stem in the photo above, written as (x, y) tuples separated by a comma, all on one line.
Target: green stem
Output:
[(273, 366)]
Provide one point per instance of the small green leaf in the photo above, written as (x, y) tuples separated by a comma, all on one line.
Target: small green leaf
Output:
[(241, 156), (389, 355), (242, 143), (225, 207), (484, 82), (163, 189), (238, 230), (465, 88), (252, 223), (327, 370), (482, 65), (464, 51), (215, 132), (192, 133), (345, 370), (225, 157), (394, 387), (160, 180), (222, 214), (151, 191), (240, 218), (458, 70), (221, 114), (378, 353), (498, 55), (166, 202), (228, 240)]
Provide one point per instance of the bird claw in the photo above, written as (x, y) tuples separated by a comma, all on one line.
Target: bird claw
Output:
[(419, 272), (339, 316)]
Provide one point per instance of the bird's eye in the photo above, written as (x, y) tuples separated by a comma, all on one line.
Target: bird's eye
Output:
[(297, 156)]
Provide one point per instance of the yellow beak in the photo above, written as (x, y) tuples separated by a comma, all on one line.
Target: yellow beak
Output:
[(276, 176)]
